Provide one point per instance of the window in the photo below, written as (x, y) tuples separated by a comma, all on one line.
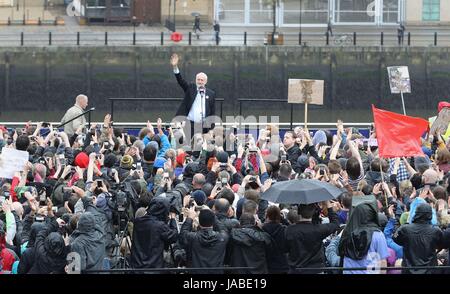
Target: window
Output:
[(390, 11), (431, 10), (362, 11), (95, 3)]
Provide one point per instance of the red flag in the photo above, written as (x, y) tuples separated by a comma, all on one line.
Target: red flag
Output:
[(398, 135)]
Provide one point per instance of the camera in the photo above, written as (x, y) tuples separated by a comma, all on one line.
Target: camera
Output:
[(223, 165)]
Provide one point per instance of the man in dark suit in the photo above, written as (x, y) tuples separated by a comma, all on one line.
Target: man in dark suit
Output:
[(198, 104)]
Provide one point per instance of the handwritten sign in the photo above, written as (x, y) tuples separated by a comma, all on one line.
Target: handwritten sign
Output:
[(305, 91), (399, 79), (12, 161)]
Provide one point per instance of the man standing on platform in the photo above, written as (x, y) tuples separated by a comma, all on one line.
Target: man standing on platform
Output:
[(81, 103), (198, 102)]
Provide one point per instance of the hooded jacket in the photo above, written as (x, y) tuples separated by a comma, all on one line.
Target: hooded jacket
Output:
[(151, 234), (27, 258), (357, 235), (304, 242), (205, 248), (277, 259), (49, 250), (89, 243), (250, 247), (419, 240)]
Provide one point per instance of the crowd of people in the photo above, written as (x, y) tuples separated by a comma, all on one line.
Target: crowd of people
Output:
[(98, 198)]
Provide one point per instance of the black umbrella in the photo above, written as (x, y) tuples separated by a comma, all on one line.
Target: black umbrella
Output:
[(301, 192)]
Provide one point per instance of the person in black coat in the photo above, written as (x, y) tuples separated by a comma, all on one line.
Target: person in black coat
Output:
[(277, 259), (50, 251), (205, 248), (152, 233), (27, 258), (304, 240), (420, 240), (250, 246), (198, 105)]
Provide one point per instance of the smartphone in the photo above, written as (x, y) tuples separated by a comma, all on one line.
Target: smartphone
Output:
[(45, 124), (224, 182), (2, 199), (283, 157), (106, 145), (99, 183), (138, 166), (166, 175), (55, 209)]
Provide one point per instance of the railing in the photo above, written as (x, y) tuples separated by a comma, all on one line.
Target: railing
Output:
[(372, 269), (168, 270), (112, 100), (227, 39)]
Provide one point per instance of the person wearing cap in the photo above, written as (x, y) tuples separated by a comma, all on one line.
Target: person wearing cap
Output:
[(198, 102), (81, 103)]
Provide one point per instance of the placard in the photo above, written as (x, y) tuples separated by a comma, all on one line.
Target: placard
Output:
[(12, 161), (399, 79), (305, 91)]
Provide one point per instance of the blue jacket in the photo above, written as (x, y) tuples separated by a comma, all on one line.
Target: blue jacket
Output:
[(412, 211), (165, 145), (388, 232)]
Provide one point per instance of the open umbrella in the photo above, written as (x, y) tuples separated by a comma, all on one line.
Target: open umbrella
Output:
[(301, 192), (195, 14)]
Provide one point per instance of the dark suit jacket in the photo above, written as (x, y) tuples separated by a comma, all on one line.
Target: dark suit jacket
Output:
[(190, 92)]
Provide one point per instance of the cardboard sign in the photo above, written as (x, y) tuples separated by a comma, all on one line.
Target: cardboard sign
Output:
[(399, 79), (441, 122), (305, 91), (12, 161)]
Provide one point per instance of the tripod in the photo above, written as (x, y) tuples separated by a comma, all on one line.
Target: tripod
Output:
[(120, 261)]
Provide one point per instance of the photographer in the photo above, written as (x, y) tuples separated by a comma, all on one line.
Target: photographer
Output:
[(205, 247), (148, 252), (50, 249)]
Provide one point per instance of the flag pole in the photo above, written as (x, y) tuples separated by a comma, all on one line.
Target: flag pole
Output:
[(403, 103), (306, 114), (382, 182)]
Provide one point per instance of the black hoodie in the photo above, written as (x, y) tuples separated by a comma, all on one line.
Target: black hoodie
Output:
[(50, 250), (250, 247), (205, 248), (27, 258), (419, 240), (277, 259), (151, 234), (357, 235)]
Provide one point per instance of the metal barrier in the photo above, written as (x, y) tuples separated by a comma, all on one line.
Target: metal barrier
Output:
[(303, 269), (106, 38), (372, 268), (112, 100), (168, 270)]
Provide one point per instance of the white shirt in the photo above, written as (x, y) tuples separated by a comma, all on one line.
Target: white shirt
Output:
[(197, 111)]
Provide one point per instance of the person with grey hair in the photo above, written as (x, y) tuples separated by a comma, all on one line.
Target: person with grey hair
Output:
[(81, 103), (198, 102)]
